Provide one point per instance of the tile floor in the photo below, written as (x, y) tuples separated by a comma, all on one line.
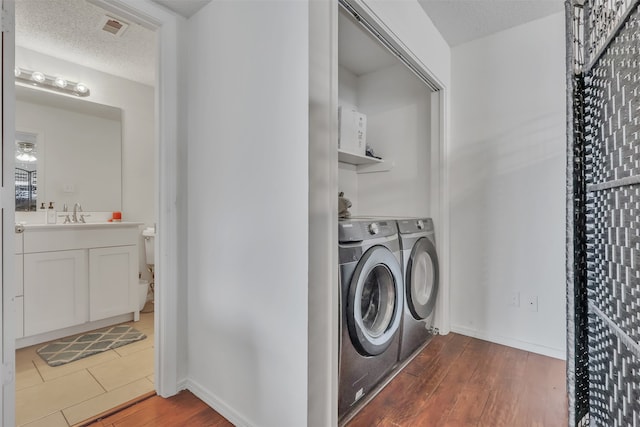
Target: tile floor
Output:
[(65, 395)]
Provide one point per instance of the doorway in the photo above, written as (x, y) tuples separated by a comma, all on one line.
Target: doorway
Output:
[(166, 139), (96, 157)]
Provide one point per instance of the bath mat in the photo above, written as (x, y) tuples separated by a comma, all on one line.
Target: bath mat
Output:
[(73, 348)]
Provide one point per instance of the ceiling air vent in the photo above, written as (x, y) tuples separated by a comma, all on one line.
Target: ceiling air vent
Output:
[(113, 26)]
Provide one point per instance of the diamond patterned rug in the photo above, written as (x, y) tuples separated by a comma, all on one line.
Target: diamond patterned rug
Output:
[(73, 348)]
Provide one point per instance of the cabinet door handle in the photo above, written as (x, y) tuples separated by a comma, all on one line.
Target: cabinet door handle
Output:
[(19, 229)]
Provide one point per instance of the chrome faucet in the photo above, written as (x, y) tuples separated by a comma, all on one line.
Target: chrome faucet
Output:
[(65, 209), (77, 208)]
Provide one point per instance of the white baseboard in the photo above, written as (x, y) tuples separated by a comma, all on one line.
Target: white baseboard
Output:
[(511, 342), (216, 403), (182, 384)]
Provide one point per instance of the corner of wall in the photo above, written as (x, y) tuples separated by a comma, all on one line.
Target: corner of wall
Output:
[(182, 201)]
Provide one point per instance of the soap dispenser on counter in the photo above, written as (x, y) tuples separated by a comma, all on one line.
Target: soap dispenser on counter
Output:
[(51, 214)]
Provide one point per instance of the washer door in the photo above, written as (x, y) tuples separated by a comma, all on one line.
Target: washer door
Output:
[(374, 304), (422, 279)]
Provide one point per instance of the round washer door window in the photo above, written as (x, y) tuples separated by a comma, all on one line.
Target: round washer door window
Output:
[(422, 279), (375, 301)]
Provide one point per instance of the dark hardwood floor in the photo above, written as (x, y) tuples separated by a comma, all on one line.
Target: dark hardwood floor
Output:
[(456, 381), (183, 409)]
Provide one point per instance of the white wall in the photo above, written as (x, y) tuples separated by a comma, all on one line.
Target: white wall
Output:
[(397, 105), (248, 210), (138, 147), (347, 87), (508, 186), (347, 176), (78, 149)]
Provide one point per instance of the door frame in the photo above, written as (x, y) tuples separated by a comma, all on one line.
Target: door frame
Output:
[(323, 307), (168, 132), (169, 355), (440, 168), (7, 199)]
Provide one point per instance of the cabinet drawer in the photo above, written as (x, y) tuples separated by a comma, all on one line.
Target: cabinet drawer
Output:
[(70, 238)]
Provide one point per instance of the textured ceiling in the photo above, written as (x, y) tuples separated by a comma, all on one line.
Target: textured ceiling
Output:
[(460, 21), (71, 30)]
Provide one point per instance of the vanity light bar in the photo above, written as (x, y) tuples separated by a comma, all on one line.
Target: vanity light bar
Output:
[(36, 78)]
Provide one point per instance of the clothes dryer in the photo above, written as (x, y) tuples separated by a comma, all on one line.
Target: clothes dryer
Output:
[(420, 273), (371, 300)]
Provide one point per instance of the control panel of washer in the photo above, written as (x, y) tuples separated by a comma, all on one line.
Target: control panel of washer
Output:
[(355, 230)]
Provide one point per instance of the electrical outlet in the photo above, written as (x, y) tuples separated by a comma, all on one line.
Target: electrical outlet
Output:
[(514, 299), (531, 302)]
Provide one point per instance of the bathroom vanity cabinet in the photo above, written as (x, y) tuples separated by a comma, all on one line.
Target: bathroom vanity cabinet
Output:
[(75, 277), (55, 290)]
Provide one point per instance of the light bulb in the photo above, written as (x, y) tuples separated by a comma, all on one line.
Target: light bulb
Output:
[(38, 77), (60, 82), (81, 88), (17, 71), (25, 157)]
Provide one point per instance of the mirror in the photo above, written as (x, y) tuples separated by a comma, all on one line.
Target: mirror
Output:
[(68, 150), (26, 172)]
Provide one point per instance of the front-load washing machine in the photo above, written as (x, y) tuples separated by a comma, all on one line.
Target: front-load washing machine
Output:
[(420, 273), (371, 298)]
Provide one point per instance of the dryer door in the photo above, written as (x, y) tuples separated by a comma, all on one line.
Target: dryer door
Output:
[(422, 279), (374, 303)]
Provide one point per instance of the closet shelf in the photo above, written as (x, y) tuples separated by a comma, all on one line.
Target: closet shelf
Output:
[(365, 164), (356, 159)]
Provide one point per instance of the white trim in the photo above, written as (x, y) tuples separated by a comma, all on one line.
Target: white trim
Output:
[(183, 384), (511, 342), (167, 275), (7, 202), (323, 328), (443, 216), (214, 401)]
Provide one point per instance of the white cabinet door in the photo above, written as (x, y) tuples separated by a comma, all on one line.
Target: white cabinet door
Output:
[(19, 317), (19, 288), (55, 290), (112, 278)]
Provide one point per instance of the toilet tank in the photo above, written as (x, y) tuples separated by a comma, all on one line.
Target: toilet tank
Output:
[(149, 235)]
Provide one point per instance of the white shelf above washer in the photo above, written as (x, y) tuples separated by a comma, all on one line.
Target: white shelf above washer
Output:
[(356, 159), (364, 164)]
